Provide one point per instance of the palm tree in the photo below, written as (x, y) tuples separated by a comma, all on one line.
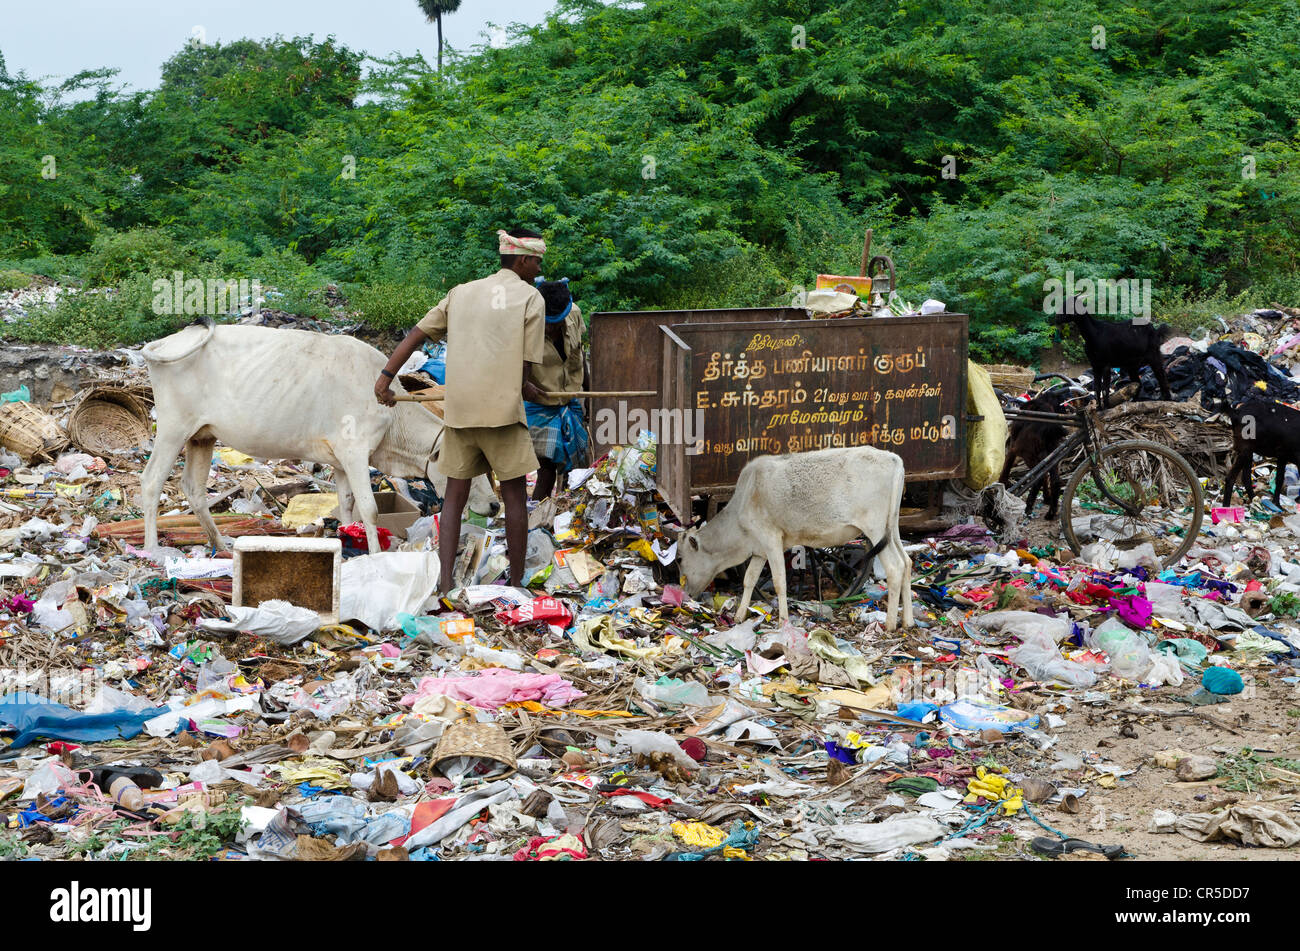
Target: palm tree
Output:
[(433, 11)]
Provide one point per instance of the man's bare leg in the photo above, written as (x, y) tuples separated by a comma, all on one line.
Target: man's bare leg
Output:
[(453, 506), (546, 471), (514, 493)]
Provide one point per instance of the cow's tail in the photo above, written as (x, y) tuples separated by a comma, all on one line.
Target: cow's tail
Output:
[(151, 353)]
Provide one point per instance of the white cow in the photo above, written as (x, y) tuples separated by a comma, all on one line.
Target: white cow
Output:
[(284, 394), (818, 499)]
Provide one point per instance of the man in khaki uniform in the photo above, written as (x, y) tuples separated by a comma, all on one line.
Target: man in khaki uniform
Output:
[(494, 331)]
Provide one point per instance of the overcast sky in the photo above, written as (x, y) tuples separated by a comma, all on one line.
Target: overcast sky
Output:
[(62, 37)]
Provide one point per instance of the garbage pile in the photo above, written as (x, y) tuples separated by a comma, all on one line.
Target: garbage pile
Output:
[(1044, 706)]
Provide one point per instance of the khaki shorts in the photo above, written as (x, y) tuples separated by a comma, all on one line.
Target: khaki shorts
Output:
[(506, 450)]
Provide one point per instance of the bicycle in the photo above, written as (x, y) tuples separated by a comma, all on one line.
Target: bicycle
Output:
[(1131, 492)]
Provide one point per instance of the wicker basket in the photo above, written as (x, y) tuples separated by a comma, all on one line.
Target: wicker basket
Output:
[(29, 432), (1007, 377), (109, 421), (482, 740)]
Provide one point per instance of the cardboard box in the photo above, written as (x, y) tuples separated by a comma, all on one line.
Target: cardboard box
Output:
[(862, 285), (396, 513)]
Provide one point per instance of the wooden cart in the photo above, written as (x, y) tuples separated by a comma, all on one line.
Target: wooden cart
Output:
[(735, 384)]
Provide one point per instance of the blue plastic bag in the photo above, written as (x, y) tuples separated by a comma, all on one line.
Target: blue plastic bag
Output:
[(36, 718)]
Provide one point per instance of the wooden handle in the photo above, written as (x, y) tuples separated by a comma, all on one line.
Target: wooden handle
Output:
[(581, 394), (601, 394)]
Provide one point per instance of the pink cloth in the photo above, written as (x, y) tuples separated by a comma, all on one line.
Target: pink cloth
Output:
[(495, 686)]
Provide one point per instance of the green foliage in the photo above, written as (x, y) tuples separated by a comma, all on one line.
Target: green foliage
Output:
[(198, 836), (12, 847), (387, 306), (14, 280), (114, 256), (1285, 604), (692, 153), (101, 317)]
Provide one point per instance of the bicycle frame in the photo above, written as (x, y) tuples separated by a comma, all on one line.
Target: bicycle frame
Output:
[(1086, 436)]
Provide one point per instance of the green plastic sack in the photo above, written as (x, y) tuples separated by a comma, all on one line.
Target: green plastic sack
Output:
[(20, 395)]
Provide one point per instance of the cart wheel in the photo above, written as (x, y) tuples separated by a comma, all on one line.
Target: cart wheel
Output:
[(1161, 492)]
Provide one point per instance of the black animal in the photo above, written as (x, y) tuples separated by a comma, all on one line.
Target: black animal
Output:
[(1124, 344), (1032, 441), (1264, 428)]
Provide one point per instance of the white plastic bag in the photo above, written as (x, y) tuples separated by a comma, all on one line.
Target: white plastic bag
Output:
[(895, 832), (376, 588), (281, 621), (1039, 655), (1025, 623), (1165, 669), (1130, 657), (646, 742), (48, 779)]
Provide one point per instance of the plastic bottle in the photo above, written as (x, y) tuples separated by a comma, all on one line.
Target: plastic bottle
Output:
[(124, 784), (126, 793)]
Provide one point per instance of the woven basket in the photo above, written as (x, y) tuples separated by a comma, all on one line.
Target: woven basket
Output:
[(29, 432), (1007, 377), (483, 740), (109, 421)]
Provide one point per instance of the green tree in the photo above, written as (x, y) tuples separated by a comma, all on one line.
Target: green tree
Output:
[(433, 11)]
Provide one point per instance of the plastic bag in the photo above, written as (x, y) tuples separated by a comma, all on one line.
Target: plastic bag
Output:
[(1024, 624), (987, 440), (673, 692), (645, 742), (1165, 669), (47, 780), (376, 588), (1039, 655), (281, 621), (1130, 657), (895, 832)]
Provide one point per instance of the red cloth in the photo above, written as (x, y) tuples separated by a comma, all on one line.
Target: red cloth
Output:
[(648, 798), (426, 814), (356, 533)]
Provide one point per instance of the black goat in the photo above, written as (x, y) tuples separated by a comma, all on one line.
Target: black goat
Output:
[(1032, 441), (1124, 344), (1261, 427)]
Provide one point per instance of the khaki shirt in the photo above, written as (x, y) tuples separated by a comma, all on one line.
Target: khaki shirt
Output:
[(493, 326), (562, 376)]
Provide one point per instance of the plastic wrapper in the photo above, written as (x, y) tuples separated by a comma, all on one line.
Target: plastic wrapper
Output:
[(1039, 656), (673, 692), (550, 610)]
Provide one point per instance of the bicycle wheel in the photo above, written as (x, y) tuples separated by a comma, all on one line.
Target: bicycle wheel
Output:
[(1161, 496)]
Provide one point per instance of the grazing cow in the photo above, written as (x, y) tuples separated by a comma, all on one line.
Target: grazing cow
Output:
[(283, 394), (1265, 428), (1124, 344), (1032, 441), (818, 499)]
